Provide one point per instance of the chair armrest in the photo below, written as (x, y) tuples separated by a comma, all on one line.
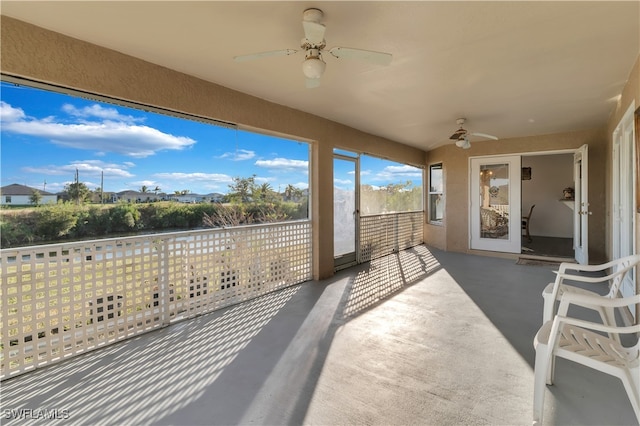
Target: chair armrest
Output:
[(561, 276), (589, 301), (627, 329), (564, 266)]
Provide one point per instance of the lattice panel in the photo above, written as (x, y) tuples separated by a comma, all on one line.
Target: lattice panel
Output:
[(381, 235), (61, 300), (409, 230), (238, 264), (64, 299)]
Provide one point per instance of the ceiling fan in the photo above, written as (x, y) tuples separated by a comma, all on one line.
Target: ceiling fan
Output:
[(313, 45), (461, 136)]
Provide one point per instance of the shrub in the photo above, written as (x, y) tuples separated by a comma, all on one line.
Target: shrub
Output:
[(14, 234), (98, 221), (55, 220), (124, 217)]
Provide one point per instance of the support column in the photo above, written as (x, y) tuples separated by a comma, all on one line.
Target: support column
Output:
[(322, 210)]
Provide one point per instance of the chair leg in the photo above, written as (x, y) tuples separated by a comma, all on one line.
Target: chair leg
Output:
[(631, 380), (540, 378)]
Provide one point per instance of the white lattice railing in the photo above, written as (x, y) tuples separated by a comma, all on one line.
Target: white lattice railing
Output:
[(61, 300), (384, 234)]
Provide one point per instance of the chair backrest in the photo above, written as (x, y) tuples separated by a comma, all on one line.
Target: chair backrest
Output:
[(530, 211), (623, 265)]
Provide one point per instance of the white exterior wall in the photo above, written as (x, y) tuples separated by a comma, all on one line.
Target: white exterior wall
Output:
[(22, 200)]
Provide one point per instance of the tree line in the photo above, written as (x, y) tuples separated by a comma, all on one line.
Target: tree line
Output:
[(246, 202)]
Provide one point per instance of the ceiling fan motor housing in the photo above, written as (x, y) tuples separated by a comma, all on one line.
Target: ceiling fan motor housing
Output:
[(312, 15)]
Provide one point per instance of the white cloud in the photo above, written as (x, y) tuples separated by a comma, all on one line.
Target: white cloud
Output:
[(239, 155), (9, 114), (342, 181), (119, 137), (199, 177), (99, 111), (84, 167), (394, 172), (150, 184), (170, 182), (284, 164), (404, 170), (259, 179)]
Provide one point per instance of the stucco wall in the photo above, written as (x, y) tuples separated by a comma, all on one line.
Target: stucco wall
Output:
[(44, 56), (455, 230), (41, 55)]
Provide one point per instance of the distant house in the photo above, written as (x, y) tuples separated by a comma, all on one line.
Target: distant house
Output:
[(130, 196), (214, 197), (20, 195), (188, 198)]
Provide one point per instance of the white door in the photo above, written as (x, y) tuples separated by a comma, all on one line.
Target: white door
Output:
[(623, 190), (496, 219), (581, 209), (345, 210)]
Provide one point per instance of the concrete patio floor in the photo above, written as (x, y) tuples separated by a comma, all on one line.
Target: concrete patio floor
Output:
[(422, 337)]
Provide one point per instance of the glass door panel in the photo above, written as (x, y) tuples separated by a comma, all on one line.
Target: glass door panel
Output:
[(495, 219), (345, 203), (494, 201)]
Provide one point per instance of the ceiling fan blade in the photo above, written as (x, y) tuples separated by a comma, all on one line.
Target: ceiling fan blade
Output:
[(312, 83), (314, 32), (252, 56), (458, 134), (366, 55), (484, 135)]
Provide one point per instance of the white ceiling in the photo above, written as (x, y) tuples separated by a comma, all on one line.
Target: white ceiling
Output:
[(511, 68)]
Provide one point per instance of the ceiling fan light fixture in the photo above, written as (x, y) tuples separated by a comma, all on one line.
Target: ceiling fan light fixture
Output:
[(463, 143), (313, 67)]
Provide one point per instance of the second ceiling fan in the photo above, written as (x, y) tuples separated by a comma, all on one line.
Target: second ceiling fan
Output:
[(461, 136), (313, 45)]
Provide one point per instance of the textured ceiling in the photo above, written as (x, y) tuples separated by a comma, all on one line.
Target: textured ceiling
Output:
[(511, 68)]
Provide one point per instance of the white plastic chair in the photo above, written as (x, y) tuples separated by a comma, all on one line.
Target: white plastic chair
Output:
[(555, 290), (580, 341)]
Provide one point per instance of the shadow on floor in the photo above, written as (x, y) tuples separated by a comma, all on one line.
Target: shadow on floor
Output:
[(417, 337)]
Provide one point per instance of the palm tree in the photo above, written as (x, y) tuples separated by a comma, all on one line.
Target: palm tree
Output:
[(144, 189), (289, 191)]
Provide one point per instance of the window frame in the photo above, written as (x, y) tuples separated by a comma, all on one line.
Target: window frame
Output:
[(431, 210)]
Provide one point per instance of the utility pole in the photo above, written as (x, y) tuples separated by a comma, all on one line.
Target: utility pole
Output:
[(77, 186), (102, 187)]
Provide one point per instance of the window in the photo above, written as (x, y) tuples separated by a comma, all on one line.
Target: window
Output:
[(176, 171), (389, 187), (436, 193)]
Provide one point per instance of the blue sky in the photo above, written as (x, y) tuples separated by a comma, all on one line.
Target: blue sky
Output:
[(46, 136)]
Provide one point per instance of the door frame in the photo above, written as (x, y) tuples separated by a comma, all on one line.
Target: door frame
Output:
[(581, 210), (349, 259), (623, 223), (513, 243), (521, 154)]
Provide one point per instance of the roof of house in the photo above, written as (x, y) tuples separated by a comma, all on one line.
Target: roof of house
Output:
[(17, 189)]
